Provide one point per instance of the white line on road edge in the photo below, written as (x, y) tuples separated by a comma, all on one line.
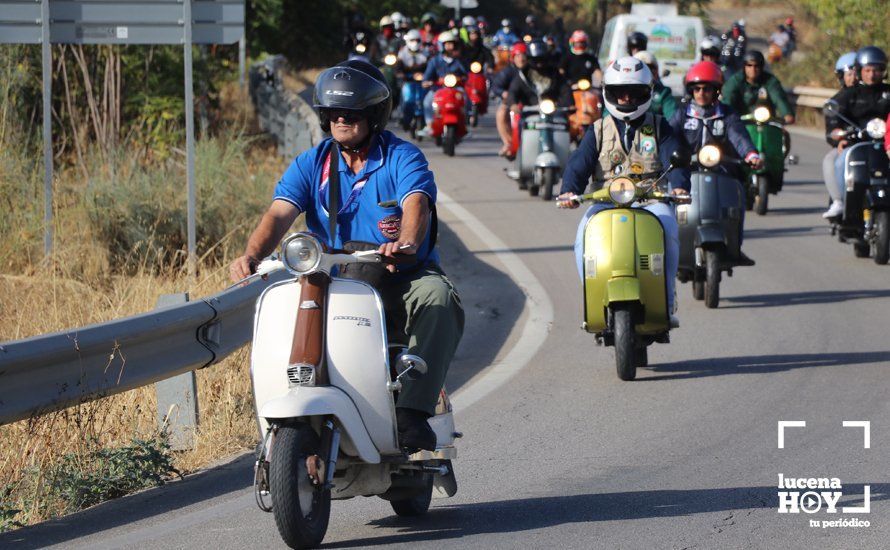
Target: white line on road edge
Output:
[(537, 324)]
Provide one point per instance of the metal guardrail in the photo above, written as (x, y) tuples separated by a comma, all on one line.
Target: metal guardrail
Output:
[(814, 98), (54, 371)]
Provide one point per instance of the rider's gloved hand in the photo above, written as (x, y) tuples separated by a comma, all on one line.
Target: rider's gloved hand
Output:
[(789, 119), (565, 201), (754, 160)]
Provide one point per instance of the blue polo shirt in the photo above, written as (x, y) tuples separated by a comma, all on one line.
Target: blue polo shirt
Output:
[(370, 201)]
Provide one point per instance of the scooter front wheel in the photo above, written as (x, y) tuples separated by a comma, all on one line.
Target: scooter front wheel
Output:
[(548, 182), (417, 505), (882, 237), (301, 509), (625, 345), (712, 278), (761, 202), (448, 141)]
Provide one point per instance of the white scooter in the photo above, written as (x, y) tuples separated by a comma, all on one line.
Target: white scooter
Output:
[(325, 380)]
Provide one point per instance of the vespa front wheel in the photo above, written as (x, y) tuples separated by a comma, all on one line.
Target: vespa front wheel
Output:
[(712, 278), (698, 285), (882, 237), (548, 182), (761, 202), (301, 509), (625, 345), (448, 141)]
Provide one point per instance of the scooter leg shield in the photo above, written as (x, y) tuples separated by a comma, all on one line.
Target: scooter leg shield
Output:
[(322, 401)]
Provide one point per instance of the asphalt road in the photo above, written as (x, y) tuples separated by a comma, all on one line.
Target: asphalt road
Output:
[(561, 454)]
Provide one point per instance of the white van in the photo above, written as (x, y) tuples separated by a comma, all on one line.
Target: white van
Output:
[(673, 39)]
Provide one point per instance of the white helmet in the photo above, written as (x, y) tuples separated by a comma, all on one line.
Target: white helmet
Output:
[(397, 18), (710, 45), (631, 74), (385, 21), (412, 40), (468, 21), (446, 36)]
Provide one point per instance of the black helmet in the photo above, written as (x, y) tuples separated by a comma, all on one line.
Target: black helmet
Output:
[(354, 85), (871, 55), (636, 41), (755, 57), (538, 53)]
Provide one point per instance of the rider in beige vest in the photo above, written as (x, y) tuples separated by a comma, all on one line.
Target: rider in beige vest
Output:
[(642, 158)]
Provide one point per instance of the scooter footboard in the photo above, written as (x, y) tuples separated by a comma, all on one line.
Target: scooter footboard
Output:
[(307, 401), (617, 271)]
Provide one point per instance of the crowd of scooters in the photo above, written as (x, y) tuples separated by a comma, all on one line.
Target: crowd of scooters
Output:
[(730, 127)]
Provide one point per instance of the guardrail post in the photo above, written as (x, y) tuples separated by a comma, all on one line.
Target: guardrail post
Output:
[(178, 396)]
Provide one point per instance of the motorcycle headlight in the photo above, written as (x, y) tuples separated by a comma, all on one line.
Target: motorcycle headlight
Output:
[(583, 84), (450, 80), (418, 76), (360, 48), (390, 59), (709, 156), (547, 106), (876, 128), (761, 114), (622, 191), (476, 67), (301, 253)]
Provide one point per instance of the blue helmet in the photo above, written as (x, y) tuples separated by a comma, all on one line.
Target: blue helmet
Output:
[(871, 55), (846, 62)]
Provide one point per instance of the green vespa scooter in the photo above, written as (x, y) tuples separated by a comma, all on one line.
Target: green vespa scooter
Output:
[(773, 143)]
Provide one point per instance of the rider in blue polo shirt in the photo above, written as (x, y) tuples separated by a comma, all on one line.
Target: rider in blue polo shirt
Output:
[(386, 201)]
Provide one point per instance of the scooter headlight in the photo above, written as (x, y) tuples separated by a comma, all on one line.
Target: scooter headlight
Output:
[(418, 76), (876, 128), (476, 67), (709, 156), (548, 106), (450, 80), (360, 48), (622, 191), (762, 114), (390, 59), (583, 84), (301, 253)]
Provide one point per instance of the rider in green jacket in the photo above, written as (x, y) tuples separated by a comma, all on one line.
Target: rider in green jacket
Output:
[(755, 86), (663, 101)]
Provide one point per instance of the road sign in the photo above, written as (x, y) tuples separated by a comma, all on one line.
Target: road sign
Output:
[(184, 22), (464, 4)]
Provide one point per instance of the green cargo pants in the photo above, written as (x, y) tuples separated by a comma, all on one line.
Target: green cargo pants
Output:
[(424, 307)]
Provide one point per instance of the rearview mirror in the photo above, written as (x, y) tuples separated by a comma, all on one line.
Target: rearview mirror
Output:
[(680, 159), (831, 107)]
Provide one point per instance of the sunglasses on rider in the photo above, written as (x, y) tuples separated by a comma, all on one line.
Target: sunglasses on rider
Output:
[(752, 65), (348, 116), (703, 88)]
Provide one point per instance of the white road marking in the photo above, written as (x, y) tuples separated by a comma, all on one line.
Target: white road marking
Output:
[(537, 323)]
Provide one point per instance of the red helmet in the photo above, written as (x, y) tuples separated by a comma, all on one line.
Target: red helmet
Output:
[(580, 38), (705, 72), (518, 48), (790, 21)]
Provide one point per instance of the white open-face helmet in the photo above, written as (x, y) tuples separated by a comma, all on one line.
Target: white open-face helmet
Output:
[(627, 74)]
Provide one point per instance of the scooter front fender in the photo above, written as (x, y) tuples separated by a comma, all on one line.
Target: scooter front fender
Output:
[(306, 401), (709, 235), (547, 159), (623, 289)]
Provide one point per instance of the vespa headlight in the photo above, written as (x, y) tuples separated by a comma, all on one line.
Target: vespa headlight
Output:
[(450, 80), (301, 253), (360, 48), (622, 191), (709, 156), (418, 76), (762, 114), (548, 106), (390, 59), (876, 128), (476, 67), (583, 84)]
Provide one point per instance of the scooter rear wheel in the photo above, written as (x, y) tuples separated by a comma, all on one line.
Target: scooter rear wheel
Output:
[(625, 345), (882, 237), (301, 509)]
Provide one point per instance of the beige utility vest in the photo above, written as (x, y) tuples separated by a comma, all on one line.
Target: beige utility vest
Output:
[(641, 160)]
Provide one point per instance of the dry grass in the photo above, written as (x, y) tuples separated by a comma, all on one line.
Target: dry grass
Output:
[(79, 285)]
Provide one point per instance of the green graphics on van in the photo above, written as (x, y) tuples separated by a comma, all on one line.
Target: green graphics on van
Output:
[(677, 41)]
